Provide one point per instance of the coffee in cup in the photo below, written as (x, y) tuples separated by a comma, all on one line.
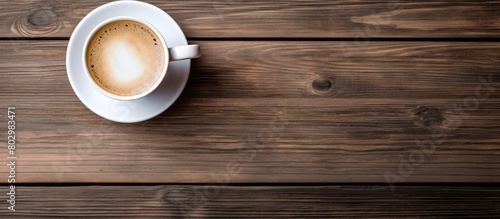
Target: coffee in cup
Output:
[(127, 58)]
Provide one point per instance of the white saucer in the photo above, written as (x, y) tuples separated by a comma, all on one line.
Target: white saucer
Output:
[(135, 110)]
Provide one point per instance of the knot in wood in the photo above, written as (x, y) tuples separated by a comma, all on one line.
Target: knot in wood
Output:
[(39, 22), (179, 195), (428, 116), (42, 17), (323, 86)]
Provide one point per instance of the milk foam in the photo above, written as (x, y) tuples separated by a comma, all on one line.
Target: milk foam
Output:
[(124, 62), (125, 58)]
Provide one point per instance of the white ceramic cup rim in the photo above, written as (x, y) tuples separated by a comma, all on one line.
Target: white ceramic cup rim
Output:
[(162, 41)]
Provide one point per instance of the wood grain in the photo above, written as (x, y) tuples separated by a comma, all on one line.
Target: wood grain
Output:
[(232, 124), (281, 19), (257, 202), (242, 69), (287, 92)]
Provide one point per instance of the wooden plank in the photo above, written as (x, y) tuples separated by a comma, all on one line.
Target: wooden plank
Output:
[(282, 19), (256, 202), (288, 69), (233, 124)]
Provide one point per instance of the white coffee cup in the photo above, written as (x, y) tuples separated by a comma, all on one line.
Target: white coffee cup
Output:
[(170, 54)]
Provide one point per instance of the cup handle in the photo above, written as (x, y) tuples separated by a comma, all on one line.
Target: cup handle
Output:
[(184, 52)]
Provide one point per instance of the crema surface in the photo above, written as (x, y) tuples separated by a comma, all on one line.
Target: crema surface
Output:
[(125, 58)]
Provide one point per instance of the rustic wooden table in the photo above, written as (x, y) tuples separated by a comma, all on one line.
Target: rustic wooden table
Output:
[(297, 109)]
